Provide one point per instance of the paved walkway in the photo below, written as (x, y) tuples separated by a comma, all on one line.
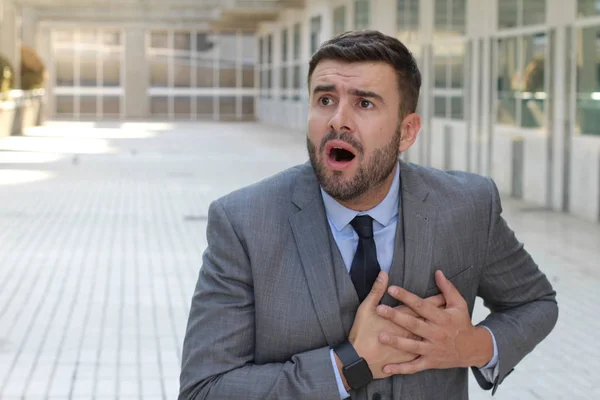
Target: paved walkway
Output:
[(102, 231)]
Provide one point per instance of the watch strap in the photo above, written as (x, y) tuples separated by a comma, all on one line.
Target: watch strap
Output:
[(346, 352)]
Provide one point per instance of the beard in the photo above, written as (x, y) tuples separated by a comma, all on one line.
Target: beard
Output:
[(371, 171)]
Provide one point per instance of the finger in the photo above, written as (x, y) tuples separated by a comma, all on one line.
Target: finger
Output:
[(405, 344), (411, 367), (422, 307), (412, 324), (377, 290), (438, 300), (451, 294)]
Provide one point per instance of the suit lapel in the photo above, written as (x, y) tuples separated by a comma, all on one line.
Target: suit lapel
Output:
[(309, 226), (420, 218)]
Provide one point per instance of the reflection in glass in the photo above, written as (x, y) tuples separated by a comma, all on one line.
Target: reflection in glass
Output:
[(361, 14), (182, 106), (227, 74), (507, 81), (297, 77), (159, 40), (88, 68), (407, 20), (456, 64), (65, 105), (248, 76), (182, 41), (508, 11), (182, 71), (111, 38), (458, 17), (283, 81), (440, 64), (315, 33), (111, 106), (204, 106), (339, 20), (204, 73), (284, 45), (159, 71), (533, 97), (227, 106), (297, 42), (159, 105), (88, 105), (439, 106), (269, 49), (588, 81), (457, 108), (111, 70), (588, 8), (65, 72), (534, 12), (441, 15), (248, 107)]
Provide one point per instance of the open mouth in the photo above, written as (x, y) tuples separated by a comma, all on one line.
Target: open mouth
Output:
[(338, 154)]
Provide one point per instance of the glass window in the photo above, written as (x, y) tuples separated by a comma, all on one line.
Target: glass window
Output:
[(65, 72), (439, 106), (283, 78), (588, 81), (248, 75), (248, 107), (339, 20), (204, 106), (111, 70), (182, 71), (88, 105), (514, 13), (407, 19), (227, 74), (456, 61), (111, 106), (269, 49), (227, 106), (456, 107), (88, 37), (111, 38), (182, 106), (440, 63), (88, 71), (159, 40), (297, 77), (159, 71), (315, 33), (159, 105), (508, 70), (450, 18), (65, 105), (534, 12), (533, 85), (586, 8), (182, 41), (261, 51), (361, 14), (204, 72), (284, 45), (297, 38), (508, 11)]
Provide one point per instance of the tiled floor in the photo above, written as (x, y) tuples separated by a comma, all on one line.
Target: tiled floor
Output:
[(101, 235)]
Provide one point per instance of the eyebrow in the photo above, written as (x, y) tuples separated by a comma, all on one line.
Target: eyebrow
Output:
[(355, 92)]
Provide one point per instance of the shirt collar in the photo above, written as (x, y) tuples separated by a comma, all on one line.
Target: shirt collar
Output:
[(383, 212)]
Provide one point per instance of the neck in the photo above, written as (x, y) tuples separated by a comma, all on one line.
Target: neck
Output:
[(373, 197)]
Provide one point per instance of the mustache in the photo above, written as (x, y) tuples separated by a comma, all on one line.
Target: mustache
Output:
[(344, 137)]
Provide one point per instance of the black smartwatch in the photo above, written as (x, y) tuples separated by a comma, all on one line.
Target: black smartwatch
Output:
[(356, 370)]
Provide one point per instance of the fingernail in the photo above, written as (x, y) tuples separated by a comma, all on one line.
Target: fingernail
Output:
[(382, 310), (393, 291), (380, 277), (387, 370)]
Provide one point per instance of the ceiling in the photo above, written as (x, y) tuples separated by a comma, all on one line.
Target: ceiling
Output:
[(225, 15)]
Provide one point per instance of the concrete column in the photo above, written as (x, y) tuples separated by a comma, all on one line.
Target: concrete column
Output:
[(29, 26), (43, 44), (9, 46), (136, 73), (383, 16)]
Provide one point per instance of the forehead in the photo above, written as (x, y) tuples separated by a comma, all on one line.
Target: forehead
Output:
[(358, 75)]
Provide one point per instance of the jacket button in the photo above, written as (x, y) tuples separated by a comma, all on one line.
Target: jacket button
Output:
[(376, 396)]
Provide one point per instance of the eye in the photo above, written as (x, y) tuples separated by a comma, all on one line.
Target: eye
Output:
[(325, 101), (366, 104)]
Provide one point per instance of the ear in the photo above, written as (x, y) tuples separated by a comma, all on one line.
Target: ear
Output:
[(409, 129)]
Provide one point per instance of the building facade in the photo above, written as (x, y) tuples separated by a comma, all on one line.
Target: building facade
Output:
[(511, 88)]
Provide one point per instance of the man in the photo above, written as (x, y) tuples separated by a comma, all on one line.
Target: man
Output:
[(356, 275)]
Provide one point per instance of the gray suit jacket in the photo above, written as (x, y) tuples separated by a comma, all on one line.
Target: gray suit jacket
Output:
[(273, 293)]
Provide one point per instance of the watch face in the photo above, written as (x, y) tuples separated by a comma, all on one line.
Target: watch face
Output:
[(358, 374)]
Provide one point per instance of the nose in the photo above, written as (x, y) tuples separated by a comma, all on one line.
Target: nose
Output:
[(341, 120)]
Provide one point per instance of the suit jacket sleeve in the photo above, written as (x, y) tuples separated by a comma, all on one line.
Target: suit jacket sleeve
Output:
[(218, 349), (520, 297)]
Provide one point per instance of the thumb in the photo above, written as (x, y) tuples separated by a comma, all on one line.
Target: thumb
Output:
[(377, 291), (451, 294)]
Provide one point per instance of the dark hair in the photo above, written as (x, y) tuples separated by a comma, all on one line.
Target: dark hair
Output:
[(370, 45)]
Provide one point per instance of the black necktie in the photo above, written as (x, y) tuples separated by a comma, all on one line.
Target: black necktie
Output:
[(365, 268)]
